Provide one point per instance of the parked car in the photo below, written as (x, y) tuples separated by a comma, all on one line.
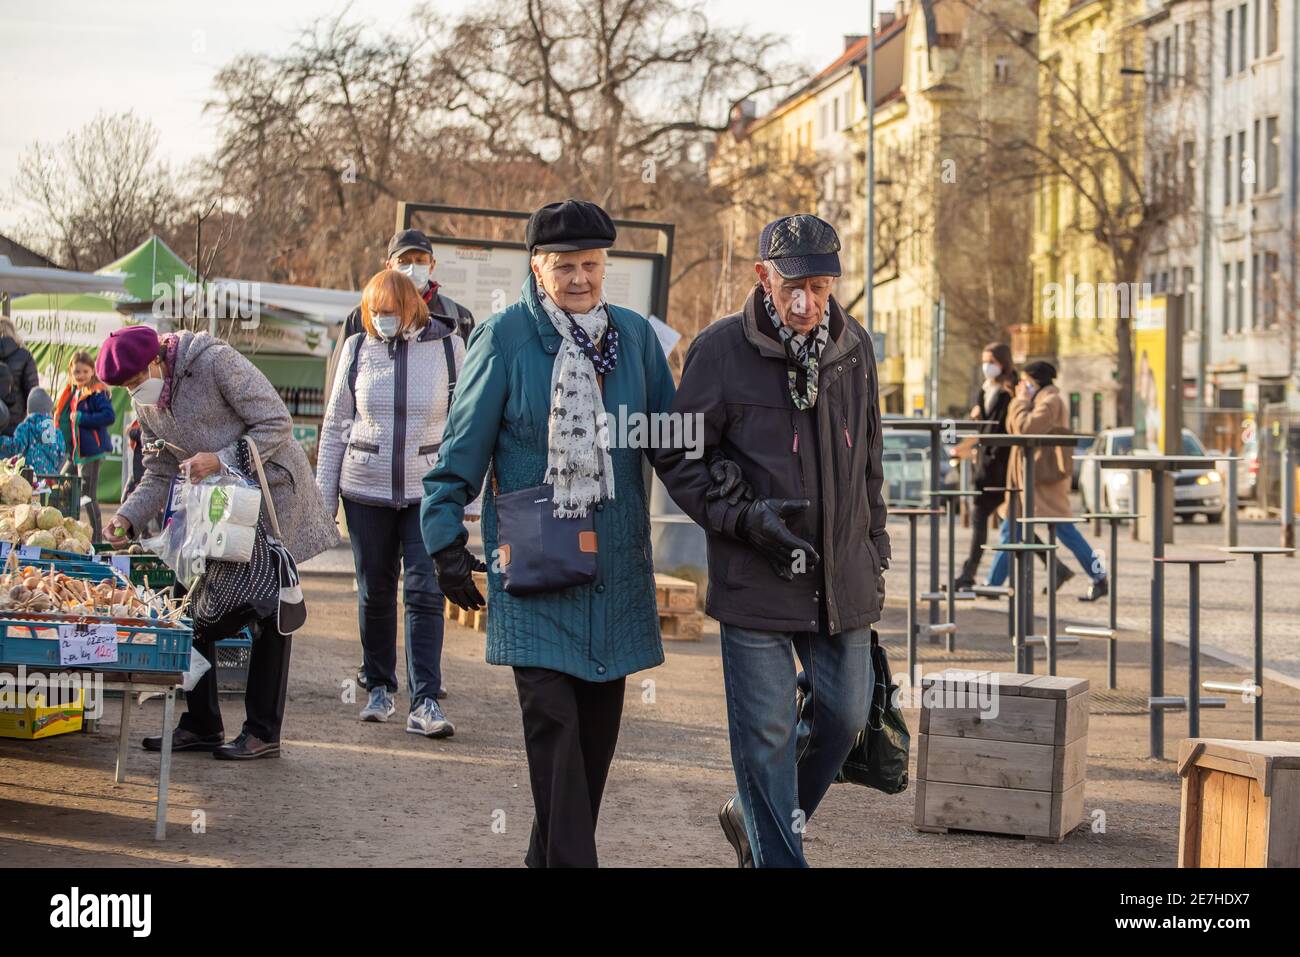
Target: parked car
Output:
[(1083, 448), (1196, 491)]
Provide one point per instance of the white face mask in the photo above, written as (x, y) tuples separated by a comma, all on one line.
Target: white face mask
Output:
[(418, 273), (992, 370), (147, 393), (386, 326)]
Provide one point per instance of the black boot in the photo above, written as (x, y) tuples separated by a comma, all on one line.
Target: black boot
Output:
[(1098, 589)]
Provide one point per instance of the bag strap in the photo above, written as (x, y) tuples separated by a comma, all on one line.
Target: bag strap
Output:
[(449, 351), (266, 489)]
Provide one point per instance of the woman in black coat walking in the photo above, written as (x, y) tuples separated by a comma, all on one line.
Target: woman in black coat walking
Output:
[(21, 375), (990, 460)]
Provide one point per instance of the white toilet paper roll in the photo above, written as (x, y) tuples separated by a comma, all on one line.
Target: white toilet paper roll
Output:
[(232, 543), (243, 505)]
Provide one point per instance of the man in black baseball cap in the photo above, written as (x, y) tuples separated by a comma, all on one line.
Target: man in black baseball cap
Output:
[(410, 253), (789, 493)]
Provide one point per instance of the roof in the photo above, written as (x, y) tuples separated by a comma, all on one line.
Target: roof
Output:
[(20, 255)]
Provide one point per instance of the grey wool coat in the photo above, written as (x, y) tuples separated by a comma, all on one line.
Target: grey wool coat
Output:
[(217, 398)]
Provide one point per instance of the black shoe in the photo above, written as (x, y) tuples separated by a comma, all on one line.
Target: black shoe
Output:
[(1063, 575), (1098, 589), (963, 584), (246, 747), (183, 740), (733, 826)]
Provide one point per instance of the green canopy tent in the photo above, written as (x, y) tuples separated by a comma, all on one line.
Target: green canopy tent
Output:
[(55, 327)]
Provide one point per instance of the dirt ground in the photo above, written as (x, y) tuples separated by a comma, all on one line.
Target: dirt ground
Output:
[(348, 793)]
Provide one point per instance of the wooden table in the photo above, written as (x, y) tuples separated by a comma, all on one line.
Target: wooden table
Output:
[(129, 683)]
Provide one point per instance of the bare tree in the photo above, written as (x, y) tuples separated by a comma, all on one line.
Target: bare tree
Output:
[(1093, 143), (97, 194)]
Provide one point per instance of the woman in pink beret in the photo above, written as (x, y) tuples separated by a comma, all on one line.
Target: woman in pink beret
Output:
[(196, 397)]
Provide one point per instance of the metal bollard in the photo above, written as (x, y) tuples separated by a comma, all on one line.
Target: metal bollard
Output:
[(1098, 505), (1230, 520), (1287, 505)]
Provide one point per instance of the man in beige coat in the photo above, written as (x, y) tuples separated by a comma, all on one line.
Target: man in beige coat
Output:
[(1038, 409)]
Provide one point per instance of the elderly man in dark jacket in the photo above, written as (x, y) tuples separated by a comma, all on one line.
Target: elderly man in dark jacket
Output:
[(790, 496)]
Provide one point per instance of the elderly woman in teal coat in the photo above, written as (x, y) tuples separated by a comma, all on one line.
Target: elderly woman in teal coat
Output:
[(570, 649)]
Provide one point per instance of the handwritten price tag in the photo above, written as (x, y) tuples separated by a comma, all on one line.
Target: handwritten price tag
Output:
[(87, 644)]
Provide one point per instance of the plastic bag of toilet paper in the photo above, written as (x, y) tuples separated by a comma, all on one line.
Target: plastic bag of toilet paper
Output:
[(215, 519)]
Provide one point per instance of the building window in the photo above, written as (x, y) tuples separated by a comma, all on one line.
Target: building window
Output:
[(1241, 38), (1241, 292), (835, 113), (1002, 69), (1227, 299), (1227, 42), (1189, 172), (1178, 52), (1255, 298), (1246, 172), (1227, 171), (1270, 287), (1259, 155), (1259, 25), (1165, 79), (1272, 158), (1271, 38), (1189, 299), (1189, 56)]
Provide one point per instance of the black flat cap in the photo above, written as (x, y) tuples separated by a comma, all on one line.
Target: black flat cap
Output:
[(572, 224), (408, 239), (800, 246)]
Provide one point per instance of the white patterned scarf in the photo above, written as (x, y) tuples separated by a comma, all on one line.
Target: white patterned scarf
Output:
[(578, 463)]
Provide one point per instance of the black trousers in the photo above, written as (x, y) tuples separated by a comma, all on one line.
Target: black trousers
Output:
[(570, 731), (268, 683), (983, 509)]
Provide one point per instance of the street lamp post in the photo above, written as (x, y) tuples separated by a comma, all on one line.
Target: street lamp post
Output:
[(869, 92)]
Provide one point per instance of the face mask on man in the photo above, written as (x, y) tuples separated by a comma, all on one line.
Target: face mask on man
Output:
[(992, 370), (418, 273), (387, 326), (147, 393)]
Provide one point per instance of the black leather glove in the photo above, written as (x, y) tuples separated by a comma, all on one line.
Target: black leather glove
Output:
[(762, 525), (728, 481), (880, 583), (456, 565)]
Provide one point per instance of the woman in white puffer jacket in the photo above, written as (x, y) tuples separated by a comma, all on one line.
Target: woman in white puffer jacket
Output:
[(381, 434)]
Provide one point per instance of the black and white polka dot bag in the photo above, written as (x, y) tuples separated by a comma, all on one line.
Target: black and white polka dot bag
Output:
[(230, 595)]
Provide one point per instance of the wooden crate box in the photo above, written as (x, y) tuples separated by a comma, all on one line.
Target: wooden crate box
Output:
[(1002, 753), (1240, 803)]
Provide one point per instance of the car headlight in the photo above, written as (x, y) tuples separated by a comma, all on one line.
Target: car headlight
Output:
[(1209, 478)]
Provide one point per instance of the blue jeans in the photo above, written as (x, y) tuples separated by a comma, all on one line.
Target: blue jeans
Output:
[(782, 769), (383, 539), (1067, 535)]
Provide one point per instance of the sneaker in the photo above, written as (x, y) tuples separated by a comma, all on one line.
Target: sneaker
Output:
[(362, 680), (427, 719), (1063, 575), (380, 707)]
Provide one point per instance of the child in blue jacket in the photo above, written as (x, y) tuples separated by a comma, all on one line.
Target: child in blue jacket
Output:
[(37, 439)]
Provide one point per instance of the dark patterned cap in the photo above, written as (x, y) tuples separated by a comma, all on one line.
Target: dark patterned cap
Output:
[(800, 246)]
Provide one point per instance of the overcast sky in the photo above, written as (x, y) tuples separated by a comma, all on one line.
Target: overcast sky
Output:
[(63, 61)]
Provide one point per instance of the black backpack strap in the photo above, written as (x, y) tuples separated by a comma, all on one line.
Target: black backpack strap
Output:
[(449, 350), (352, 369)]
